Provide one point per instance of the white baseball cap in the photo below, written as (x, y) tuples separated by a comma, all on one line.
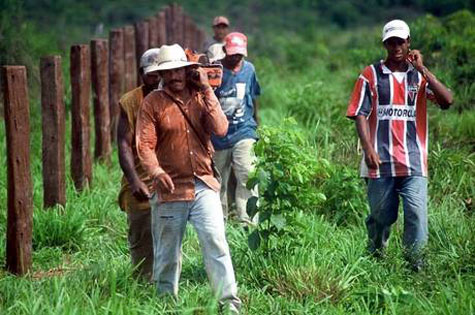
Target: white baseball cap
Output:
[(172, 57), (215, 52), (396, 28), (149, 60)]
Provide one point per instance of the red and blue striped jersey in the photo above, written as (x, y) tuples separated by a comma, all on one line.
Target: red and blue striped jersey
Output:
[(397, 115)]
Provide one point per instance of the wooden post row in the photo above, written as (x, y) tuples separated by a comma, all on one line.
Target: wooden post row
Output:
[(19, 187), (100, 88), (81, 163), (142, 42), (130, 60), (53, 127), (116, 76)]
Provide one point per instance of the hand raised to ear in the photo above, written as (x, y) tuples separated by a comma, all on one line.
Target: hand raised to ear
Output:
[(416, 59)]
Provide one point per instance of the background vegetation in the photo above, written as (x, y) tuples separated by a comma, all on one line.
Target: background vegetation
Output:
[(307, 57)]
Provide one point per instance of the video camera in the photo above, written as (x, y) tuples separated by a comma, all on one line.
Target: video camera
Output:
[(214, 71)]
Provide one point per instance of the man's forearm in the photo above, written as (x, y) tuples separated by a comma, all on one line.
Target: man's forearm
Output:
[(127, 163), (442, 95), (362, 128), (216, 121), (124, 143)]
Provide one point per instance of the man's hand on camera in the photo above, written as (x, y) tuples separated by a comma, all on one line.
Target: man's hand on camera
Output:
[(202, 81)]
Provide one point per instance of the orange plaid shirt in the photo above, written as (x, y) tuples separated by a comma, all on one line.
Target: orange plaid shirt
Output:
[(167, 144)]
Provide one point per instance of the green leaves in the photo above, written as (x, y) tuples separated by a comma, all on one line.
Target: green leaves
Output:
[(254, 240), (342, 196), (251, 207), (288, 175), (321, 197), (278, 221)]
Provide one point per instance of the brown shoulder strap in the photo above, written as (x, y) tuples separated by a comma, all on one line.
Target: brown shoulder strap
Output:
[(203, 143)]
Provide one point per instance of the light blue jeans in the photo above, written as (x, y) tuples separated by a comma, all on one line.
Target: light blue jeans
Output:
[(383, 197), (169, 221)]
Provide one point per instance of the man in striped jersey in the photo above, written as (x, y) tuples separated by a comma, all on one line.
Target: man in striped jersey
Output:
[(388, 105)]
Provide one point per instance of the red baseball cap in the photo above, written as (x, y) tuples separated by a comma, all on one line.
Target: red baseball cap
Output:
[(236, 43)]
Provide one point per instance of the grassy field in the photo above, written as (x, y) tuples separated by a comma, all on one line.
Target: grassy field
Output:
[(81, 263)]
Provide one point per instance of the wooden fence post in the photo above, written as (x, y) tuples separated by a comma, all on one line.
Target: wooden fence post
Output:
[(54, 128), (178, 24), (188, 33), (196, 37), (201, 37), (141, 43), (193, 37), (116, 77), (100, 88), (130, 60), (81, 164), (162, 28), (152, 32), (187, 38), (19, 187), (169, 25)]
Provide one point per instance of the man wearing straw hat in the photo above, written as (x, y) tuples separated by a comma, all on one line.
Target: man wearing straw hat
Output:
[(134, 193), (173, 134)]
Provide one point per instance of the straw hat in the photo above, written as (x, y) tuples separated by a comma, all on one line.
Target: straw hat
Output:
[(172, 57)]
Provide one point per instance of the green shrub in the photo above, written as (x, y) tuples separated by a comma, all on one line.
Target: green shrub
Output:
[(346, 195), (448, 46), (288, 175)]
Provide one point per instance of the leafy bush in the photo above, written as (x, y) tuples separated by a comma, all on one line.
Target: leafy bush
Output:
[(448, 46), (346, 195), (288, 176)]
